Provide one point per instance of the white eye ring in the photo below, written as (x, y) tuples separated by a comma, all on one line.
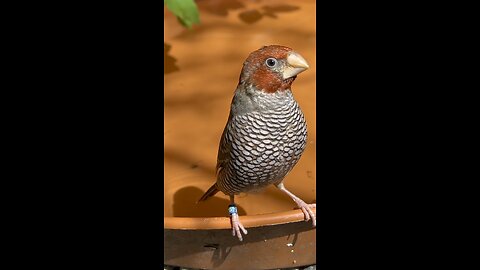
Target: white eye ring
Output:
[(271, 62)]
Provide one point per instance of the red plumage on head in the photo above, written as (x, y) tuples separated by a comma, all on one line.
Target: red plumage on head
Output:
[(255, 71)]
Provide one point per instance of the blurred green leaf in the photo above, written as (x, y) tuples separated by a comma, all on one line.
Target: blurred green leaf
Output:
[(185, 10)]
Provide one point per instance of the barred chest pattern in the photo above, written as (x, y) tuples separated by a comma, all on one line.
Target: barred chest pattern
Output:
[(264, 137)]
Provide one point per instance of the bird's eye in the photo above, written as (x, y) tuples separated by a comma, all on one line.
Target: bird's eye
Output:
[(271, 62)]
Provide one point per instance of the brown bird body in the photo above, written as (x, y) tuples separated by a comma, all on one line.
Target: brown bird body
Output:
[(266, 132)]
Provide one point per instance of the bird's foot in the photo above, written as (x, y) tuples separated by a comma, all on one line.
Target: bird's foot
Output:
[(236, 225), (307, 211)]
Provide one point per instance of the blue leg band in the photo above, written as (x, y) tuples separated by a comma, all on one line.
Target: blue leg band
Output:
[(232, 209)]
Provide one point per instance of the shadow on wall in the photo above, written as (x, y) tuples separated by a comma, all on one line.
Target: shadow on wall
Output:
[(185, 204), (169, 65), (253, 15), (249, 16), (219, 7)]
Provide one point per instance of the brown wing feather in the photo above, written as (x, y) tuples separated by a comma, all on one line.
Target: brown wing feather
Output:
[(223, 158), (224, 149), (210, 192)]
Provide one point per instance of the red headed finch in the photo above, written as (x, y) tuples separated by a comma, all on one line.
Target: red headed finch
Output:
[(266, 132)]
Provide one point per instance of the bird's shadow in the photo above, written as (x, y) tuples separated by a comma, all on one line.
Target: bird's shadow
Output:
[(220, 254), (221, 242), (185, 204)]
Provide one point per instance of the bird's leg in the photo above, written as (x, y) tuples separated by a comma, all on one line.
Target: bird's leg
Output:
[(236, 225), (301, 204)]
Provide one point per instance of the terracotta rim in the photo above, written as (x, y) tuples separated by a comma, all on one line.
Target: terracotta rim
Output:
[(186, 223)]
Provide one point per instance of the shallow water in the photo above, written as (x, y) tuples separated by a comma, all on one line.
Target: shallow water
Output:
[(202, 66)]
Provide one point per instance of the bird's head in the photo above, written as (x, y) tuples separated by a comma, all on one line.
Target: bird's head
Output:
[(272, 68)]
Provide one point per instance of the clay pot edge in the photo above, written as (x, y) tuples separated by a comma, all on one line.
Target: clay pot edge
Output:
[(208, 223)]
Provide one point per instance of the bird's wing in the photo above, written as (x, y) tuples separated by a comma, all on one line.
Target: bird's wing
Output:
[(224, 149)]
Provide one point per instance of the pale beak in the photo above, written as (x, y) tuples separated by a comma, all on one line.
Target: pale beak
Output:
[(296, 64)]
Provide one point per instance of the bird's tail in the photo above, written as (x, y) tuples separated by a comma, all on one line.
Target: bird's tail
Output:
[(210, 192)]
